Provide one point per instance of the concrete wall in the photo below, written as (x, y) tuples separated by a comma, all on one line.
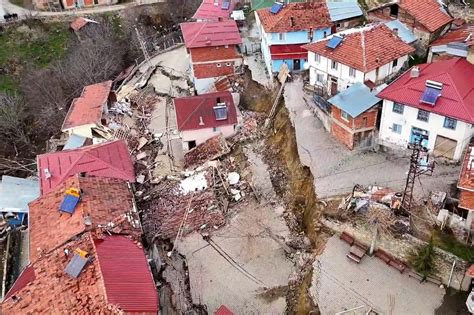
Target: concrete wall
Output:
[(434, 126), (344, 80), (84, 130), (402, 249), (201, 135)]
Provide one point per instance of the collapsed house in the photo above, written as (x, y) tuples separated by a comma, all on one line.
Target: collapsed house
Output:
[(87, 112)]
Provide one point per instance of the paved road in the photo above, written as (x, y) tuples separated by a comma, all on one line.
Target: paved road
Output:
[(336, 169), (7, 7)]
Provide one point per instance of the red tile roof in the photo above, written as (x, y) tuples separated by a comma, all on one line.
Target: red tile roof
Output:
[(103, 200), (223, 310), (279, 52), (464, 34), (52, 291), (364, 49), (127, 276), (87, 109), (208, 11), (427, 12), (209, 34), (80, 22), (189, 111), (457, 96), (28, 275), (305, 15), (110, 159)]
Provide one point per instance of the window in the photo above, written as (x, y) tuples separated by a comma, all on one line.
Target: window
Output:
[(218, 65), (397, 128), (344, 115), (423, 115), (325, 34), (352, 72), (395, 63), (317, 58), (394, 10), (450, 123), (215, 129), (281, 36), (320, 78), (333, 65), (398, 108), (364, 122)]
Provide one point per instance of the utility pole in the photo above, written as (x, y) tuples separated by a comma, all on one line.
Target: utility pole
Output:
[(142, 43), (417, 167)]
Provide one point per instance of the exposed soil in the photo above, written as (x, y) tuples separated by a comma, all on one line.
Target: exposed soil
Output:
[(293, 182)]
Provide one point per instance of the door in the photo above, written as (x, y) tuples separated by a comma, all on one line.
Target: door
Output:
[(191, 144), (296, 64), (445, 147), (333, 86), (418, 134)]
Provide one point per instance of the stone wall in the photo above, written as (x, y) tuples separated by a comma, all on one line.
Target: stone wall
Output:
[(403, 247)]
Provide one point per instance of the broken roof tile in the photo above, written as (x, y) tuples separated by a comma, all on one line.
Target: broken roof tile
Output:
[(88, 108), (103, 200), (117, 279)]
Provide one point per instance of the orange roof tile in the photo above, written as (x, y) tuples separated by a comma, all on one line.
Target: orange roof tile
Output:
[(305, 15), (103, 200), (53, 291), (80, 22), (429, 13), (87, 109), (364, 49), (464, 34)]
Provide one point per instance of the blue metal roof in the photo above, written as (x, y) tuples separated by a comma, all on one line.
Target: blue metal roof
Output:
[(74, 142), (355, 100), (403, 31), (343, 9), (16, 193)]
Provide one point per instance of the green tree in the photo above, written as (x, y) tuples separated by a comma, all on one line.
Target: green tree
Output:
[(423, 260)]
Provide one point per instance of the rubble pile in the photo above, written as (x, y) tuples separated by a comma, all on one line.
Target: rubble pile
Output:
[(249, 129), (209, 150), (162, 217)]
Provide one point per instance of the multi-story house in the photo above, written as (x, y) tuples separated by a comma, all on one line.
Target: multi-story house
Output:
[(433, 103), (371, 55), (213, 51), (285, 27), (428, 19), (199, 118)]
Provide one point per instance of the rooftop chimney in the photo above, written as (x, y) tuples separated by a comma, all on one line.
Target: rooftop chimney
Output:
[(415, 72), (201, 122), (47, 173), (216, 2), (395, 30)]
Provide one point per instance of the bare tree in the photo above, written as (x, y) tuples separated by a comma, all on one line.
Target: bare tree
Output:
[(13, 125)]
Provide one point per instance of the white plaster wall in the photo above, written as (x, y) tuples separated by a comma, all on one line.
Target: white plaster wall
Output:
[(434, 126), (84, 130), (201, 135), (342, 72)]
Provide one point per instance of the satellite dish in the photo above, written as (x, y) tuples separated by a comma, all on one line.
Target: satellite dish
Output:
[(306, 65)]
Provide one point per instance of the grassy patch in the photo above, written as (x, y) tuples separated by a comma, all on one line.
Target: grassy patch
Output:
[(450, 244), (7, 84), (39, 45)]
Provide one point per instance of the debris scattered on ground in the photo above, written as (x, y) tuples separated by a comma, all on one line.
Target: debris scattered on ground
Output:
[(207, 151)]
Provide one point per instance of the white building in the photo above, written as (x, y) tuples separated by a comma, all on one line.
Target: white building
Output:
[(435, 101), (372, 53)]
